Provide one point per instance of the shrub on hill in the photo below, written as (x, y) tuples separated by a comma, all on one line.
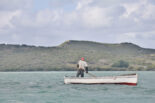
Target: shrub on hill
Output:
[(121, 64)]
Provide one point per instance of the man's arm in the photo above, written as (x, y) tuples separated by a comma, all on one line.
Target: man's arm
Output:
[(77, 65), (86, 67)]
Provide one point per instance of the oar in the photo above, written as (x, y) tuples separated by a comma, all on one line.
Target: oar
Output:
[(127, 74), (91, 74)]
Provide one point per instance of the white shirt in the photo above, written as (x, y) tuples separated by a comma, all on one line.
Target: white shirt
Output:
[(82, 64)]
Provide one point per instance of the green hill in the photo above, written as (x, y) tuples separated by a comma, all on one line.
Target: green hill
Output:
[(100, 56)]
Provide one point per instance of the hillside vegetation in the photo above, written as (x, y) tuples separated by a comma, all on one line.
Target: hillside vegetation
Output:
[(100, 56)]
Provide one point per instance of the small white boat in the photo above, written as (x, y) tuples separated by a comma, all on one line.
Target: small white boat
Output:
[(128, 79)]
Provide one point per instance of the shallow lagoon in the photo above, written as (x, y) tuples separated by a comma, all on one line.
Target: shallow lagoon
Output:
[(48, 87)]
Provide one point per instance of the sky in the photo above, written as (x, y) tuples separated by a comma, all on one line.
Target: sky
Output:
[(52, 22)]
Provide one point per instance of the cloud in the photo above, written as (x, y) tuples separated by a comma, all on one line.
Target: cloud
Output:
[(144, 39), (11, 5), (142, 10), (95, 17), (83, 3), (96, 20), (6, 17)]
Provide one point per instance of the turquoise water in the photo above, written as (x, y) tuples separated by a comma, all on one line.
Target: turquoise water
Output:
[(48, 87)]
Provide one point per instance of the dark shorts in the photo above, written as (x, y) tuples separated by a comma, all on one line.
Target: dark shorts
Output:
[(80, 72)]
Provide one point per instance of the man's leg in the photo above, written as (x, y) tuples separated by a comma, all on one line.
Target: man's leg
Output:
[(82, 73), (78, 73)]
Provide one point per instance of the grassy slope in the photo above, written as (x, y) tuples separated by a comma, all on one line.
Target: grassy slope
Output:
[(65, 56)]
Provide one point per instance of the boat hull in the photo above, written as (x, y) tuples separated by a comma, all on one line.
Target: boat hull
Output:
[(124, 79)]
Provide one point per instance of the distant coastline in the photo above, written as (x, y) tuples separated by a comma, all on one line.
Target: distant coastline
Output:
[(100, 57)]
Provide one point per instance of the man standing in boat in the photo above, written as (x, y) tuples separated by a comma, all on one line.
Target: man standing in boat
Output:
[(82, 66)]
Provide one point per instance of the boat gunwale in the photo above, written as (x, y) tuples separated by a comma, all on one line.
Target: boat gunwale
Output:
[(105, 77)]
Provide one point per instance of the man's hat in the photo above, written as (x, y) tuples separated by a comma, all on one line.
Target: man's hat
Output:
[(82, 58)]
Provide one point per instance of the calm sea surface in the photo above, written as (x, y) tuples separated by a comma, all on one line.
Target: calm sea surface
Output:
[(48, 87)]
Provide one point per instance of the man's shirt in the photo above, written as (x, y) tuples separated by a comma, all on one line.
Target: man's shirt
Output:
[(82, 64)]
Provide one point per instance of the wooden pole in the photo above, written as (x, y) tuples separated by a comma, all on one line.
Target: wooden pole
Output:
[(91, 74)]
